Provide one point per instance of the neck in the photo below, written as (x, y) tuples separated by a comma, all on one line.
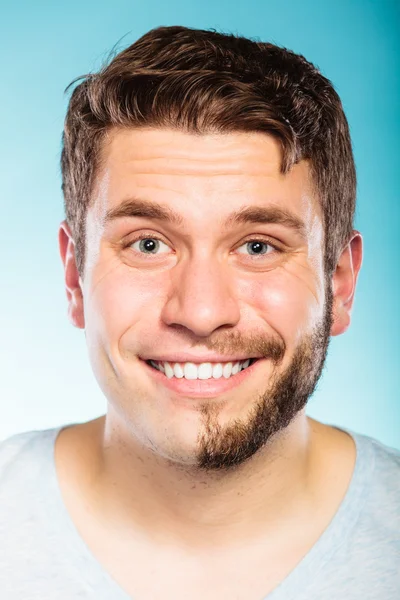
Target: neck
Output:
[(140, 490)]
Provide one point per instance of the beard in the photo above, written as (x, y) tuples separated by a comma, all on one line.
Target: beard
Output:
[(225, 448)]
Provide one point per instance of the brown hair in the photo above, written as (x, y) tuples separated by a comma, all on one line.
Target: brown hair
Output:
[(202, 81)]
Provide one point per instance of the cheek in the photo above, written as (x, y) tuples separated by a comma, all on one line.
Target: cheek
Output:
[(282, 299), (123, 308)]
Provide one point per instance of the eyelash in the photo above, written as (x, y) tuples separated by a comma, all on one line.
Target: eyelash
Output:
[(154, 237)]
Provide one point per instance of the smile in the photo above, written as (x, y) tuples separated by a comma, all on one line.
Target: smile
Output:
[(207, 370), (201, 380)]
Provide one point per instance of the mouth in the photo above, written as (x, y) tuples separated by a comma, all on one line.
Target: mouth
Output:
[(204, 380), (201, 371)]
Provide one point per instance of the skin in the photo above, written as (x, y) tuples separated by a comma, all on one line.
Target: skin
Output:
[(203, 292)]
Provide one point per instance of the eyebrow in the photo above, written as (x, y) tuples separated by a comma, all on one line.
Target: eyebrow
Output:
[(136, 207), (267, 214)]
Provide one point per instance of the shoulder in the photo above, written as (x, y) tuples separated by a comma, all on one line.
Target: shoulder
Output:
[(25, 486), (378, 476), (23, 453), (383, 460)]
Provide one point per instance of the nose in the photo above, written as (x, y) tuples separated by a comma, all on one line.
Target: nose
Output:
[(201, 297)]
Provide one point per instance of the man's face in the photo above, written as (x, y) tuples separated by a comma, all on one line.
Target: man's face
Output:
[(216, 282)]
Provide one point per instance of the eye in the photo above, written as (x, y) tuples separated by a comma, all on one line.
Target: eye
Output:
[(255, 248), (149, 245)]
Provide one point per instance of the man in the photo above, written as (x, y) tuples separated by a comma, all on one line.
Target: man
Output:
[(209, 255)]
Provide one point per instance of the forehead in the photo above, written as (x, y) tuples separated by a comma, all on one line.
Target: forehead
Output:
[(197, 172)]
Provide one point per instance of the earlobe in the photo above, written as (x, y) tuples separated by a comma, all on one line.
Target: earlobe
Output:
[(344, 283), (71, 276)]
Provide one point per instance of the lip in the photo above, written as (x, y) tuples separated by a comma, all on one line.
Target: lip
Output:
[(183, 357), (201, 388)]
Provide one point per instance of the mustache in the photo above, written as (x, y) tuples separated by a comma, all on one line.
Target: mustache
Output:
[(252, 346)]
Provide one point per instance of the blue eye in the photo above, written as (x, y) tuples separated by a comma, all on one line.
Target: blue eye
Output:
[(149, 246), (255, 248)]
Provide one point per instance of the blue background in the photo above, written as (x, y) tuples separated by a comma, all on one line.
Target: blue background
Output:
[(46, 378)]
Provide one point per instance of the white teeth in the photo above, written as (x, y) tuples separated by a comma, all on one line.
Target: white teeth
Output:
[(168, 370), (159, 366), (178, 371), (235, 368), (227, 370), (217, 371), (202, 371), (190, 371)]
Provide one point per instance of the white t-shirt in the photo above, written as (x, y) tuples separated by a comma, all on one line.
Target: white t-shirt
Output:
[(42, 556)]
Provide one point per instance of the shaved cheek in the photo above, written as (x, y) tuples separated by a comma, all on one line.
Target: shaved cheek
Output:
[(126, 304)]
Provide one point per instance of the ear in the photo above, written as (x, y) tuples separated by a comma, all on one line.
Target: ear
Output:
[(71, 276), (344, 282)]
